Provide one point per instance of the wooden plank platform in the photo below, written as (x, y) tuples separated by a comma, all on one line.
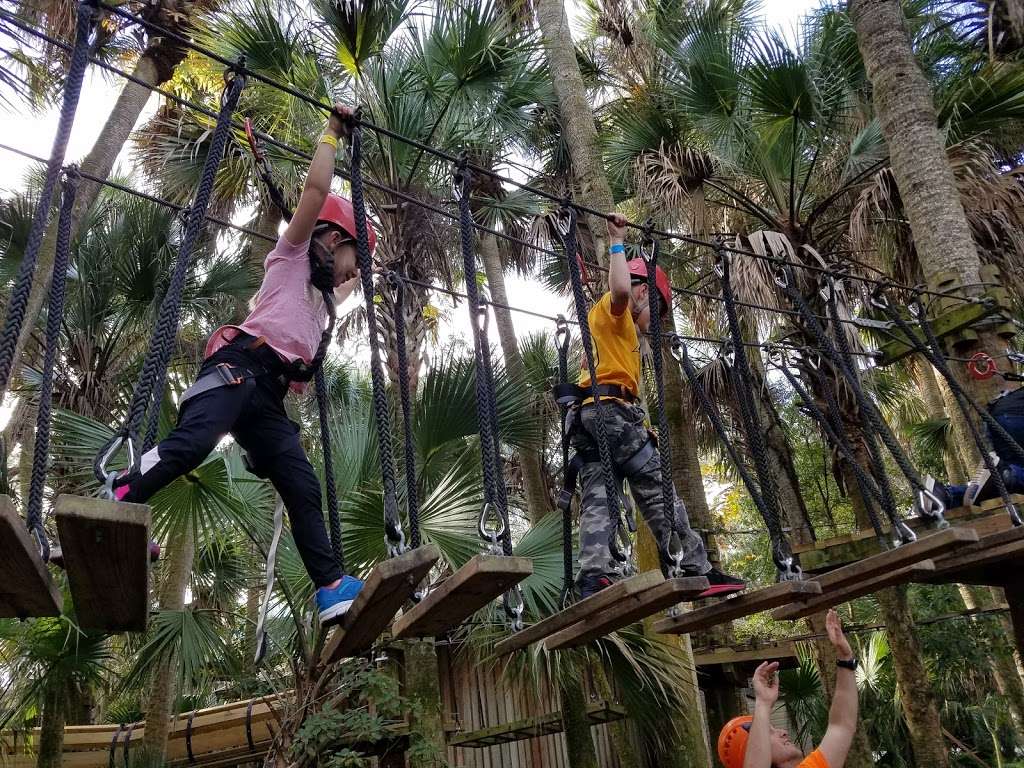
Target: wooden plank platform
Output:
[(388, 586), (530, 728), (986, 518), (995, 560), (743, 604), (832, 597), (106, 556), (752, 655), (481, 580), (26, 589), (628, 611), (924, 548), (579, 611)]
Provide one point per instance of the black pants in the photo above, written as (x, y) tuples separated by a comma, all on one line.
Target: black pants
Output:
[(253, 412)]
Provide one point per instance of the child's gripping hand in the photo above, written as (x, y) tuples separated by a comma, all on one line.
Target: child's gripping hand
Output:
[(766, 683), (616, 227), (338, 124)]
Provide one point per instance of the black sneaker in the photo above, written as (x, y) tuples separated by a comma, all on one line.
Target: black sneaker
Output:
[(591, 585), (720, 584)]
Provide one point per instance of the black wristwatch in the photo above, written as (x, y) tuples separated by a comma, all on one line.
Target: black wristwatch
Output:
[(850, 664)]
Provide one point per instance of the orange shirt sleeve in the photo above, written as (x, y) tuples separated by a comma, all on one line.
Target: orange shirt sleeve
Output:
[(814, 760)]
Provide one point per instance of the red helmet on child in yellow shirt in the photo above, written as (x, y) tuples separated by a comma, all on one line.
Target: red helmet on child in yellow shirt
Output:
[(638, 268)]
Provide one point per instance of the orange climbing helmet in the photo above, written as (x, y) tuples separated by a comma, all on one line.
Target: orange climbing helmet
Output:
[(732, 741), (338, 211), (638, 269)]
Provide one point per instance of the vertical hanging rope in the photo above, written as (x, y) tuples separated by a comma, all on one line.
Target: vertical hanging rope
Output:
[(149, 389), (170, 308), (772, 511), (494, 497), (562, 340), (870, 418), (17, 304), (333, 515), (392, 520), (412, 499), (650, 251), (611, 487), (54, 315)]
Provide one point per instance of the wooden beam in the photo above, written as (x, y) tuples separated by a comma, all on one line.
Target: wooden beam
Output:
[(833, 597), (474, 585), (579, 611), (26, 589), (743, 604), (989, 561), (900, 557), (388, 586), (628, 611), (709, 657), (106, 556), (532, 727)]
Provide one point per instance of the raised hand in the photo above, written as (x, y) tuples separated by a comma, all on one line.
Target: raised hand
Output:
[(338, 123), (616, 227), (834, 627), (766, 683)]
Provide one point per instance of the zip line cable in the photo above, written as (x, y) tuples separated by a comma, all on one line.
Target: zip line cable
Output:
[(453, 158)]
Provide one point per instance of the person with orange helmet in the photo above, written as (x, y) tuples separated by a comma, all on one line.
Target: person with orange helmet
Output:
[(249, 368), (617, 321), (753, 742)]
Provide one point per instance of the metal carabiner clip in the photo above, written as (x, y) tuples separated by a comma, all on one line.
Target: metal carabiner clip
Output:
[(565, 217), (904, 534), (100, 467), (562, 337), (514, 605), (782, 277), (488, 534), (789, 570)]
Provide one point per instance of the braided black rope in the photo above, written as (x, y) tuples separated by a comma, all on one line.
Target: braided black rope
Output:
[(54, 315), (333, 515), (392, 520), (494, 482), (933, 353), (17, 303), (568, 232), (870, 419), (412, 499), (562, 340), (154, 369), (771, 511), (650, 252), (869, 491)]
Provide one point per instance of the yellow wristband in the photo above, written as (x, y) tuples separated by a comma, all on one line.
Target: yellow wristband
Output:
[(328, 139)]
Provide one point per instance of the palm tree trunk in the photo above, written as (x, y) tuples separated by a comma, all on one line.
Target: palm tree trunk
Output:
[(423, 687), (181, 553), (920, 165), (932, 394), (51, 726), (578, 127), (99, 162), (579, 744), (535, 488)]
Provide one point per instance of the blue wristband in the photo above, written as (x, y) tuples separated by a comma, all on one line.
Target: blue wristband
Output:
[(617, 248)]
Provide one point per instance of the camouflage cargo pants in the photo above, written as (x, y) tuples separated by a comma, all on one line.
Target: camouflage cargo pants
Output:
[(627, 434)]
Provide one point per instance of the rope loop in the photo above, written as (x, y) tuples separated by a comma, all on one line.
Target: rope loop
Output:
[(491, 534)]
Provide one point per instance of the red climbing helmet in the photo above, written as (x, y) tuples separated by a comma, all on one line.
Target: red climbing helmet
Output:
[(638, 268), (338, 211), (732, 741)]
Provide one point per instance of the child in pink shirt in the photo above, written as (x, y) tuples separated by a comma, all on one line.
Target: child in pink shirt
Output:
[(249, 368)]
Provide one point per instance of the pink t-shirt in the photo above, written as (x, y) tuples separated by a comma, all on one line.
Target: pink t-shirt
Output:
[(288, 311)]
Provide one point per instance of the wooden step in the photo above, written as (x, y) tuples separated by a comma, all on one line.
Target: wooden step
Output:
[(628, 611), (106, 556), (26, 589), (833, 597), (481, 580), (992, 561), (579, 611), (924, 548), (388, 586), (743, 604)]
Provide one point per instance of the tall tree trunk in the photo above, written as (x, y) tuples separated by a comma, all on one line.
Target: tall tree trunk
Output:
[(51, 727), (154, 67), (535, 489), (181, 553), (920, 165), (577, 118), (423, 686), (579, 744)]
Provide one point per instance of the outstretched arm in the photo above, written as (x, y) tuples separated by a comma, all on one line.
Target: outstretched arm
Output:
[(318, 178), (842, 717), (618, 272), (766, 693)]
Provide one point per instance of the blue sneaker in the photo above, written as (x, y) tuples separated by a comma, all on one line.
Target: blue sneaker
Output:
[(333, 603)]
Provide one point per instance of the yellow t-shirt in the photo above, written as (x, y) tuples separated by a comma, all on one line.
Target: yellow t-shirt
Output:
[(616, 347), (814, 760)]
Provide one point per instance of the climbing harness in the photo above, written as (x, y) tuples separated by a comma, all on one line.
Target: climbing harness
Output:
[(269, 576), (493, 521)]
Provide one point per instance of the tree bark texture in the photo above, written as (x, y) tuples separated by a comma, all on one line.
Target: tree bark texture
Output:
[(51, 726), (535, 488), (579, 744), (180, 556), (422, 686), (577, 118)]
